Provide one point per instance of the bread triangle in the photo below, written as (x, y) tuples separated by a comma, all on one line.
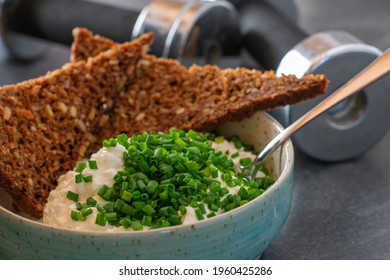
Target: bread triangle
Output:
[(48, 123), (165, 94)]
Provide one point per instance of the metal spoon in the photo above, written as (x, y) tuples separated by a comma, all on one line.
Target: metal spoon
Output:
[(374, 71)]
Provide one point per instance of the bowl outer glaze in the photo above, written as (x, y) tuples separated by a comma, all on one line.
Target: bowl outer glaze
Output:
[(243, 233)]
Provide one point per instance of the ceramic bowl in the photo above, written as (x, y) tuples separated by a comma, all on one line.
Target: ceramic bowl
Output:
[(242, 233)]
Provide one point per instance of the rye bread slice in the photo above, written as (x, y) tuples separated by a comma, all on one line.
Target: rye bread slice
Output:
[(165, 94), (48, 123)]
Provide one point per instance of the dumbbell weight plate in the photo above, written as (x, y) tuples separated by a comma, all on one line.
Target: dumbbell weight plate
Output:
[(192, 31), (351, 127)]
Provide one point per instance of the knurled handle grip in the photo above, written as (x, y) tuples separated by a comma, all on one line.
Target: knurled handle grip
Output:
[(267, 34)]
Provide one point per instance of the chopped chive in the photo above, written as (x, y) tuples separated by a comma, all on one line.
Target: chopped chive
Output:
[(78, 178), (80, 166), (152, 186), (79, 206), (245, 161), (102, 190), (183, 210), (92, 164), (147, 220), (202, 208), (166, 211), (163, 174), (87, 178), (237, 142), (211, 214), (139, 205), (148, 210), (235, 155), (199, 214), (100, 219), (219, 139), (230, 206), (72, 196), (86, 212), (125, 222), (112, 216), (128, 210), (136, 225), (126, 196), (91, 201), (175, 220), (74, 215), (161, 223), (213, 207), (77, 216)]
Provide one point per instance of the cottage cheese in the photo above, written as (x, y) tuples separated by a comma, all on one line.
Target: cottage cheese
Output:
[(110, 161)]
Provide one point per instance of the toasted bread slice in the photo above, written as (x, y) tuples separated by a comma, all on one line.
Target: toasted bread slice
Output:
[(165, 94), (47, 123)]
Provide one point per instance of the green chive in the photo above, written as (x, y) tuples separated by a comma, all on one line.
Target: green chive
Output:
[(86, 212), (148, 210), (112, 216), (92, 164), (126, 196), (74, 215), (211, 214), (91, 201), (139, 205), (81, 166), (87, 178), (161, 223), (165, 173), (199, 214), (125, 222), (128, 210), (78, 178), (77, 216), (175, 220), (183, 210), (245, 161), (100, 219), (202, 208), (219, 139), (152, 186), (136, 225), (147, 220), (72, 196)]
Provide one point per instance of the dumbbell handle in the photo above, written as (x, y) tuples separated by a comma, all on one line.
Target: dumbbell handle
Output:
[(49, 19), (267, 34)]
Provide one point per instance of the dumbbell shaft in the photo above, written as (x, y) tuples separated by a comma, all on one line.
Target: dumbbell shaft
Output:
[(267, 34)]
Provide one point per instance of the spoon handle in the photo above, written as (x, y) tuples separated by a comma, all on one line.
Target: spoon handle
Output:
[(374, 71)]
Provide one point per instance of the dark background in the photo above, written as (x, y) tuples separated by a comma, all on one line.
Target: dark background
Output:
[(339, 210)]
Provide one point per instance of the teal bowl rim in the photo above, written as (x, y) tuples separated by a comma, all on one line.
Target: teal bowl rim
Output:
[(287, 147)]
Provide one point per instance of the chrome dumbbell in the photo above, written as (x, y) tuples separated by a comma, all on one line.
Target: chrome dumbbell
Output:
[(351, 127), (190, 31)]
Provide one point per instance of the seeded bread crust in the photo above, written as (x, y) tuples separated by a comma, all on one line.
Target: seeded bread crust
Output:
[(48, 123), (165, 94)]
